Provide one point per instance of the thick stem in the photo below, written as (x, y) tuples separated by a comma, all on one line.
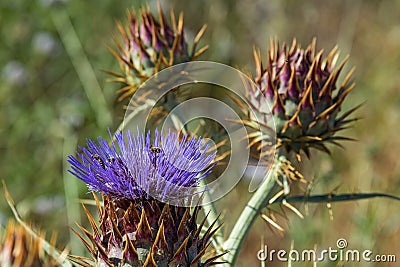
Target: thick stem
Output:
[(246, 219)]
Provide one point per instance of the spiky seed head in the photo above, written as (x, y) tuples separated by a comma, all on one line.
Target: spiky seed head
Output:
[(150, 44), (301, 88), (136, 229), (19, 249)]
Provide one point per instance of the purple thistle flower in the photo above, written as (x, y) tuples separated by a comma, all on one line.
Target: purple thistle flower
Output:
[(136, 168), (139, 178)]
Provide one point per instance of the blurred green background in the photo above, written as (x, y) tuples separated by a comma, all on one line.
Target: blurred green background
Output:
[(51, 100)]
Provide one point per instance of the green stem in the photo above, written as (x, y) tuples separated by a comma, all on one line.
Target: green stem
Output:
[(82, 66), (71, 192), (246, 219)]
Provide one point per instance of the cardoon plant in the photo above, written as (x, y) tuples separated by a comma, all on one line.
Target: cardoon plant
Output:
[(136, 177), (300, 88)]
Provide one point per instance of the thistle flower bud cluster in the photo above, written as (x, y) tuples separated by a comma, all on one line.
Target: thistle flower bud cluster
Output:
[(301, 88)]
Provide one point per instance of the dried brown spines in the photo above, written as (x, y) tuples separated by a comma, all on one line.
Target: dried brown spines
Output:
[(18, 248)]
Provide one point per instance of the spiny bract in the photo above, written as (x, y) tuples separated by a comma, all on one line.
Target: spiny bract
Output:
[(146, 233)]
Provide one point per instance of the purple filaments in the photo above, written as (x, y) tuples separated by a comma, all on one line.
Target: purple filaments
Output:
[(135, 167)]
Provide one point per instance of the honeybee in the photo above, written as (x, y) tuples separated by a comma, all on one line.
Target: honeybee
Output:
[(155, 149), (111, 160), (99, 160)]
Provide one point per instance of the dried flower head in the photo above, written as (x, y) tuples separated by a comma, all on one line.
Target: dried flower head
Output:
[(300, 86), (135, 228), (149, 45), (18, 248)]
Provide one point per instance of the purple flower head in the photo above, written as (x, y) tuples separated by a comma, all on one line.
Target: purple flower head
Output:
[(135, 167)]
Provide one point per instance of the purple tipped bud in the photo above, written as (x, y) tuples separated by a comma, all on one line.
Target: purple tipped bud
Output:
[(149, 45), (302, 84)]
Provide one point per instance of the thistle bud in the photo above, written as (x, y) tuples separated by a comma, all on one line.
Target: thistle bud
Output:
[(305, 100), (149, 45)]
